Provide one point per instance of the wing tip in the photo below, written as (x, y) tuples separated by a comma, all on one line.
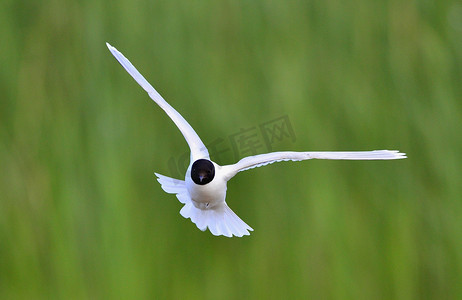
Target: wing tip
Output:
[(114, 52), (395, 154), (110, 47)]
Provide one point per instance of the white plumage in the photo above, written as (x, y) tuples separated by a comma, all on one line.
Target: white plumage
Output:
[(203, 192)]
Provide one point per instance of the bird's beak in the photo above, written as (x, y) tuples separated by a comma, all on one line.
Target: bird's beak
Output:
[(201, 176)]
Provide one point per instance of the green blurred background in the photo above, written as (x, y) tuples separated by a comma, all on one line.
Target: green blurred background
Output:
[(82, 216)]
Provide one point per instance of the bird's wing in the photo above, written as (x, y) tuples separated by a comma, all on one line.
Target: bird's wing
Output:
[(269, 158), (198, 149)]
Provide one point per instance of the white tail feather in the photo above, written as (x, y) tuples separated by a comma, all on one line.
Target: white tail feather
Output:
[(220, 220)]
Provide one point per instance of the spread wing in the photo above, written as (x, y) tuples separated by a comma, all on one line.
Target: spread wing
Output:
[(269, 158), (198, 149)]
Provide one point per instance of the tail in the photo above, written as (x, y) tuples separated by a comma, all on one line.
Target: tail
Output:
[(220, 219)]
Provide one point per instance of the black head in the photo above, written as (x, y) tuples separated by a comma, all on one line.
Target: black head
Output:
[(202, 171)]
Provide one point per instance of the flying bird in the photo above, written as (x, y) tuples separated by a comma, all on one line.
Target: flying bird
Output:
[(203, 190)]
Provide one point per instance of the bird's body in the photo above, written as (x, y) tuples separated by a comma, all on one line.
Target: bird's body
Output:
[(203, 191), (208, 195)]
